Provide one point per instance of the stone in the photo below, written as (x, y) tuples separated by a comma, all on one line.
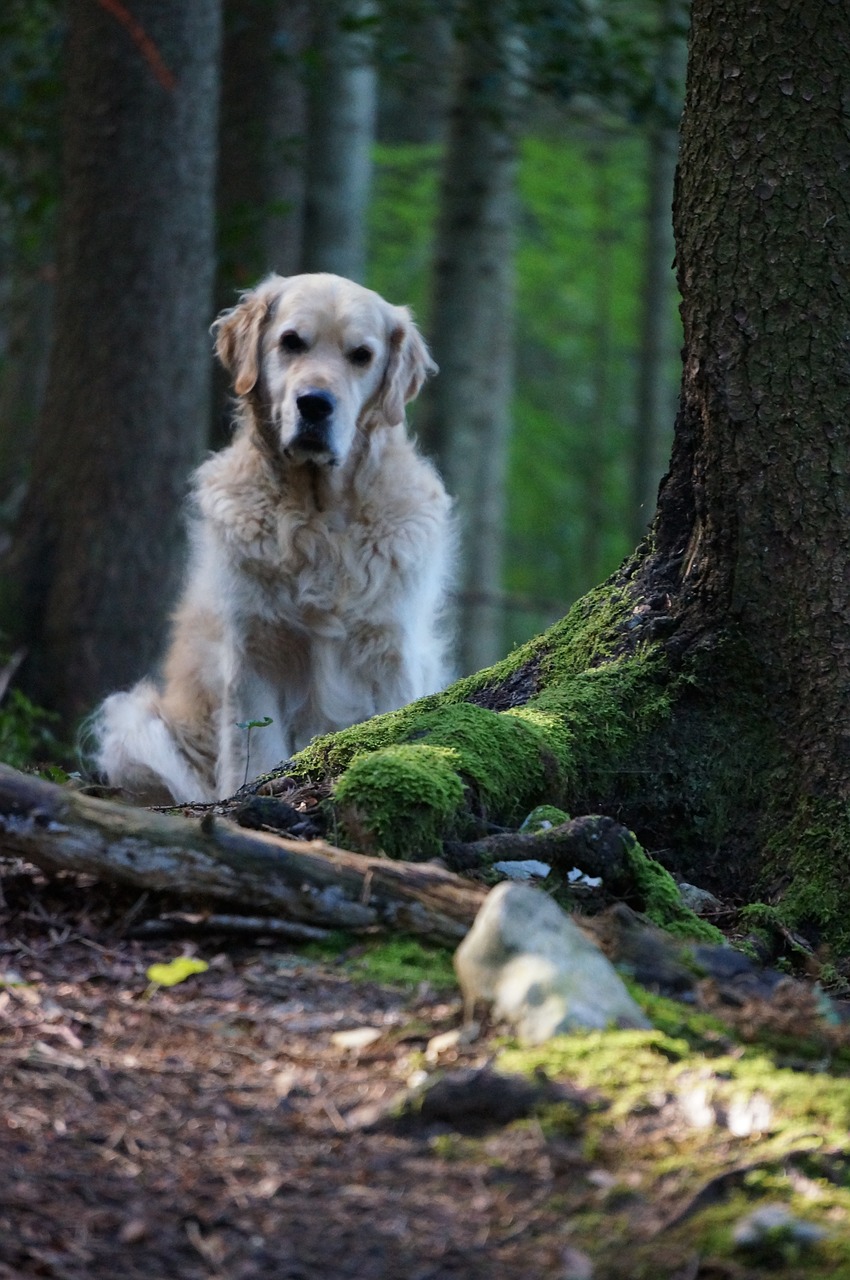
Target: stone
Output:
[(532, 963), (700, 901), (527, 869)]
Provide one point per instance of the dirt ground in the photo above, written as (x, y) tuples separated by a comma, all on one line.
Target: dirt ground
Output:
[(217, 1128), (226, 1128)]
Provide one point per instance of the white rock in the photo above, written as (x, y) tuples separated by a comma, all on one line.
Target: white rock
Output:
[(528, 959), (524, 870), (700, 901)]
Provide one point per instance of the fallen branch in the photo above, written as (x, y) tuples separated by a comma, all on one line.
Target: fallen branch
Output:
[(215, 861), (186, 924), (597, 845)]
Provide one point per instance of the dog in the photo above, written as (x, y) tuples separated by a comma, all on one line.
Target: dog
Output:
[(320, 551)]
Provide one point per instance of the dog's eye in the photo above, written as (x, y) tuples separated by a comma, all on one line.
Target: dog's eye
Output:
[(292, 342), (360, 355)]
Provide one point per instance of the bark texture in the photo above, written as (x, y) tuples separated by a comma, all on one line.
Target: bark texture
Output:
[(126, 409), (341, 106), (751, 525), (261, 142), (215, 861)]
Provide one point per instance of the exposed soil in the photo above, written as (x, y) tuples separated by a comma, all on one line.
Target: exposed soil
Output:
[(222, 1128), (215, 1129)]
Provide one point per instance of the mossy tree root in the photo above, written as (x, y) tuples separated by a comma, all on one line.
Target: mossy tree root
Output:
[(448, 766)]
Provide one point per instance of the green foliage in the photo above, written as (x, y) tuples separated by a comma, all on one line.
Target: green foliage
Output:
[(30, 45), (579, 273), (26, 732)]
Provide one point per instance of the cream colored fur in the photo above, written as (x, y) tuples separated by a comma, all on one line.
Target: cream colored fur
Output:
[(318, 562)]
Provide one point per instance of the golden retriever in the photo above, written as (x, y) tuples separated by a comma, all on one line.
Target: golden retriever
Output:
[(320, 547)]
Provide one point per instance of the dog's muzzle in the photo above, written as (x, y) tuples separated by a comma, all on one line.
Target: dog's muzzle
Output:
[(313, 439)]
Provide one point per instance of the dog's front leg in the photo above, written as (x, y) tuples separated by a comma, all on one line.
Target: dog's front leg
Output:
[(253, 738)]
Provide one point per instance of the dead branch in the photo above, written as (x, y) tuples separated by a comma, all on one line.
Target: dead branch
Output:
[(215, 861), (597, 845)]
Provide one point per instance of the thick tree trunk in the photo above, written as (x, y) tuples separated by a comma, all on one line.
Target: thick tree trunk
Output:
[(702, 696), (415, 93), (341, 106), (752, 528), (468, 411), (126, 410), (23, 371)]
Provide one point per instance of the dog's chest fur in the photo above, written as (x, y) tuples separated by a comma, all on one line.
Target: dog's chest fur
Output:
[(317, 566)]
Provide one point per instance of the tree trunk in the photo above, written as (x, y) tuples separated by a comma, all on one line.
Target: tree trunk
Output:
[(341, 103), (261, 142), (414, 99), (23, 368), (126, 410), (467, 415), (260, 188), (702, 695)]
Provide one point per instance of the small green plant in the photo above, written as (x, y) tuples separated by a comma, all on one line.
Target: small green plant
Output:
[(248, 725)]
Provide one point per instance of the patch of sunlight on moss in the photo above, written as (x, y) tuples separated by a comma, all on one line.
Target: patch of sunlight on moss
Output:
[(631, 1068), (404, 961), (395, 794)]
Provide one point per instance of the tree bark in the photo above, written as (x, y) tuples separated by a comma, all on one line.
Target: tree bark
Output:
[(466, 417), (750, 530), (126, 411), (341, 105), (260, 193), (261, 144), (415, 93)]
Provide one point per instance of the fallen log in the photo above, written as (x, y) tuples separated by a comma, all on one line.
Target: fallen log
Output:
[(213, 860)]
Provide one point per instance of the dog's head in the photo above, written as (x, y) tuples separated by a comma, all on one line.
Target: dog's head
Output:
[(325, 358)]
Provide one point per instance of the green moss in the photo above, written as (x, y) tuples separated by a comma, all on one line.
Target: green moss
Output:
[(432, 769), (813, 849), (662, 902), (401, 799), (631, 1068), (403, 961), (544, 817)]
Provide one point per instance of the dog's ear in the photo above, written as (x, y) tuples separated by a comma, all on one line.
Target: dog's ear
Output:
[(408, 366), (237, 338)]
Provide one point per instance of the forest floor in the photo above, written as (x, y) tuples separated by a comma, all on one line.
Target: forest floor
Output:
[(228, 1128)]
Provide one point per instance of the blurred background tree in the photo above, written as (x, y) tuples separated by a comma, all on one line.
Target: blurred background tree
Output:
[(506, 168)]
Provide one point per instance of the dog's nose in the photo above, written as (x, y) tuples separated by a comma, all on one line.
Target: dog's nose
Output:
[(315, 406)]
